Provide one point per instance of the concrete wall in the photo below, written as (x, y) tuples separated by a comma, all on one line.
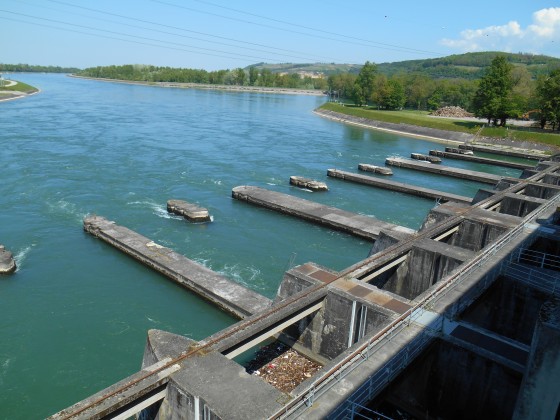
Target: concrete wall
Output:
[(296, 280), (539, 397), (427, 263), (509, 308), (519, 205), (387, 239), (541, 191), (328, 332), (451, 382), (475, 235)]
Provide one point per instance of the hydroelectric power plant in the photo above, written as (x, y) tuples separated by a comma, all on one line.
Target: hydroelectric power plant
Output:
[(459, 319)]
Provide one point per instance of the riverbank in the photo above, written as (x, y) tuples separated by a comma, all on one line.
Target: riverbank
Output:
[(233, 88), (6, 96), (21, 91), (437, 135)]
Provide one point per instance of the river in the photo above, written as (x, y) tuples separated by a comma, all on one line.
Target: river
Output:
[(74, 316)]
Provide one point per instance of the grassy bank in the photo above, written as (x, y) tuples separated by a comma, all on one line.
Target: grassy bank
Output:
[(20, 87), (421, 118)]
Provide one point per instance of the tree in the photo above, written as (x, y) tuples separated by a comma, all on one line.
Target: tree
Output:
[(492, 99), (239, 76), (419, 87), (341, 85), (267, 78), (365, 84), (548, 92), (253, 75), (395, 98)]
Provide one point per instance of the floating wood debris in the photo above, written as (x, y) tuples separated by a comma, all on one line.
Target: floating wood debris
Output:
[(375, 169), (427, 158), (191, 212), (311, 184)]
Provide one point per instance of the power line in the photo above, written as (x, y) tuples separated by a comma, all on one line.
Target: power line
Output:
[(195, 32), (113, 38), (161, 31), (137, 36), (370, 43), (311, 28)]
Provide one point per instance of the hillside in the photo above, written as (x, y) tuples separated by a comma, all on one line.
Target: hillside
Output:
[(461, 66)]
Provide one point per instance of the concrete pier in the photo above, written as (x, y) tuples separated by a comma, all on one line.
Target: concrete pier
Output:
[(375, 169), (226, 294), (522, 153), (427, 158), (445, 170), (478, 159), (398, 186), (437, 324), (7, 262), (345, 221), (191, 212), (311, 184)]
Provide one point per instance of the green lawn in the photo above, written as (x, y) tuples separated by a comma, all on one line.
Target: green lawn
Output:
[(421, 118), (20, 87)]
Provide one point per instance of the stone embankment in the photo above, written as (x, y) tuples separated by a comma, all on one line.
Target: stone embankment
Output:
[(236, 88), (442, 136)]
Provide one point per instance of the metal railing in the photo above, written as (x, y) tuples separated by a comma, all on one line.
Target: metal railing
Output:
[(536, 258), (360, 412), (538, 279), (348, 364)]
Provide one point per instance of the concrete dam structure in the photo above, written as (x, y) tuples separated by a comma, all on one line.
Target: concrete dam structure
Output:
[(458, 320)]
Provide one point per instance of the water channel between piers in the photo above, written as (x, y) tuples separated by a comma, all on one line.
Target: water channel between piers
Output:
[(430, 277)]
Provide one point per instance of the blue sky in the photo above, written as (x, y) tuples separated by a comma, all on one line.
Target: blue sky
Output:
[(222, 34)]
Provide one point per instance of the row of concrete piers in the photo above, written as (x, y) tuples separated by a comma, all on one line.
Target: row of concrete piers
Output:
[(459, 319)]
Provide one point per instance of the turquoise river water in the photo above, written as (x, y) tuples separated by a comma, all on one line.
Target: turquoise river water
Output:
[(74, 317)]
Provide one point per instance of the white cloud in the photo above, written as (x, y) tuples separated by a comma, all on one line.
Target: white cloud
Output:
[(547, 23), (511, 36)]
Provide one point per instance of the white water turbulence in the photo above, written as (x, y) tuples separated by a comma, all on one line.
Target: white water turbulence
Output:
[(76, 313)]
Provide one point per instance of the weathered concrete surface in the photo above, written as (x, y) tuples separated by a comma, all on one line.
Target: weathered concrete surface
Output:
[(301, 277), (520, 205), (519, 308), (209, 382), (444, 170), (345, 221), (386, 354), (427, 263), (427, 158), (539, 190), (344, 319), (451, 382), (539, 397), (7, 262), (311, 184), (398, 186), (387, 239), (478, 159), (515, 152), (375, 169), (189, 211), (226, 294)]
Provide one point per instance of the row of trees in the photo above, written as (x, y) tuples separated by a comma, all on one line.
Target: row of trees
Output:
[(241, 77), (503, 92)]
